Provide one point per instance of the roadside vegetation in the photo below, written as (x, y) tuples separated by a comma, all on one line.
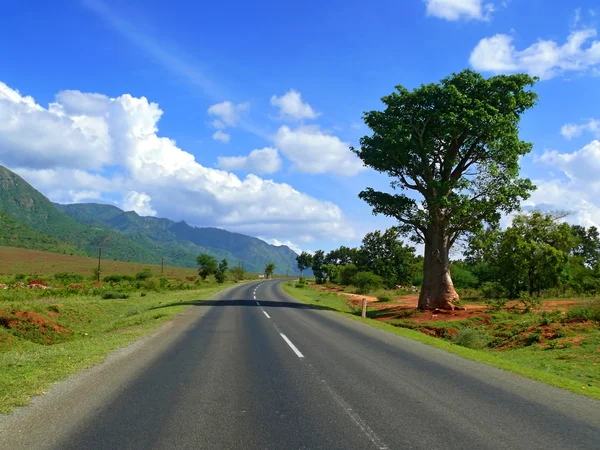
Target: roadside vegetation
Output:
[(55, 325)]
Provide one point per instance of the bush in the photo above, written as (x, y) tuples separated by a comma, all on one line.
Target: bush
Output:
[(152, 284), (529, 302), (143, 275), (163, 282), (471, 338), (112, 278), (496, 304), (112, 295), (367, 281), (68, 278), (492, 289), (347, 273), (591, 312), (384, 298), (462, 277)]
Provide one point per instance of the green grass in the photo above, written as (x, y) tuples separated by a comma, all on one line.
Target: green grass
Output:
[(568, 368), (31, 359)]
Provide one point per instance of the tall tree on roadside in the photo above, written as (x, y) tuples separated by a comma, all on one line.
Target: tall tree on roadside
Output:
[(221, 274), (207, 265), (588, 246), (269, 269), (304, 261), (317, 266), (455, 145)]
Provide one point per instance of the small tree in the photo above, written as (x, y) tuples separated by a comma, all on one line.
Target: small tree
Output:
[(367, 281), (455, 145), (207, 265), (347, 273), (317, 266), (269, 269), (304, 261), (332, 272), (238, 273), (221, 274)]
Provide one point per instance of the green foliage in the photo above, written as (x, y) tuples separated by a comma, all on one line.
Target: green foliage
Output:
[(221, 275), (347, 273), (152, 284), (530, 302), (591, 312), (207, 265), (341, 256), (367, 281), (496, 304), (462, 277), (163, 282), (385, 255), (143, 275), (114, 295), (318, 268), (492, 290), (471, 338), (301, 283), (384, 298), (269, 269), (68, 278), (332, 272), (304, 261), (238, 273)]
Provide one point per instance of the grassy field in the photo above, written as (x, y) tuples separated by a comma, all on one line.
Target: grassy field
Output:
[(45, 339), (29, 262), (558, 348)]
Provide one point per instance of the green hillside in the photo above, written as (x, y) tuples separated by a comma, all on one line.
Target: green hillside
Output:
[(180, 242), (17, 234)]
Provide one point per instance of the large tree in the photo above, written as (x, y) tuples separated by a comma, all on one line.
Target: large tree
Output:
[(455, 148), (207, 265), (304, 260), (317, 267)]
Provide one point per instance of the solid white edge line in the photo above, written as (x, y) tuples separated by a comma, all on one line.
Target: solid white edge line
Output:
[(265, 313), (292, 346)]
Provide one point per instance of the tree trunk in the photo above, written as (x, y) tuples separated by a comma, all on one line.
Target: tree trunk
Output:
[(437, 291)]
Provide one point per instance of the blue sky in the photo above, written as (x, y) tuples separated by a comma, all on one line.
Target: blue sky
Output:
[(158, 106)]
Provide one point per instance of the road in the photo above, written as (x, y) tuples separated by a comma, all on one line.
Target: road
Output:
[(258, 370)]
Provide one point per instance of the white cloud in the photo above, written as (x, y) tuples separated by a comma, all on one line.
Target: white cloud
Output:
[(580, 193), (571, 130), (111, 146), (228, 113), (290, 244), (221, 136), (266, 160), (138, 202), (459, 9), (545, 59), (292, 107), (312, 150)]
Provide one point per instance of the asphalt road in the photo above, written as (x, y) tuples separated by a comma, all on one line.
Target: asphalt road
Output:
[(258, 370)]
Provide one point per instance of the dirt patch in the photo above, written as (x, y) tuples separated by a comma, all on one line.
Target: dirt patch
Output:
[(33, 326)]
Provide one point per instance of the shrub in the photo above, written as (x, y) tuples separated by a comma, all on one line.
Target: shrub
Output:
[(112, 278), (471, 338), (143, 294), (591, 312), (143, 275), (492, 289), (549, 318), (152, 284), (496, 304), (19, 277), (367, 281), (68, 278), (529, 302), (163, 282), (53, 308), (384, 298), (347, 273), (112, 295)]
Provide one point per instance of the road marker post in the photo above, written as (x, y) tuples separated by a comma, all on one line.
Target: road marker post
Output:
[(364, 308)]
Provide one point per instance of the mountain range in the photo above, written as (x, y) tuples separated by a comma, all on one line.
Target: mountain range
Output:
[(28, 219)]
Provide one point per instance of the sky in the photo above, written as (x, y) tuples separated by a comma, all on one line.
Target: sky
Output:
[(240, 115)]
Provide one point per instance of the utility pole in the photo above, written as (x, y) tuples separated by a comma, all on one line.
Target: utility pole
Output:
[(99, 259), (162, 266)]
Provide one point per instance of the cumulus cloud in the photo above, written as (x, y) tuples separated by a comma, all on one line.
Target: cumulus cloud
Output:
[(545, 59), (295, 247), (571, 130), (228, 114), (459, 9), (292, 107), (579, 193), (221, 136), (138, 202), (109, 147), (261, 161), (312, 150)]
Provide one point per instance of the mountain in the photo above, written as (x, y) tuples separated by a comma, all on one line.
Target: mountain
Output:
[(28, 206), (181, 243), (17, 234), (30, 220)]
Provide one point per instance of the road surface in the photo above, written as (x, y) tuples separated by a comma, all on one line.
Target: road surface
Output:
[(258, 370)]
